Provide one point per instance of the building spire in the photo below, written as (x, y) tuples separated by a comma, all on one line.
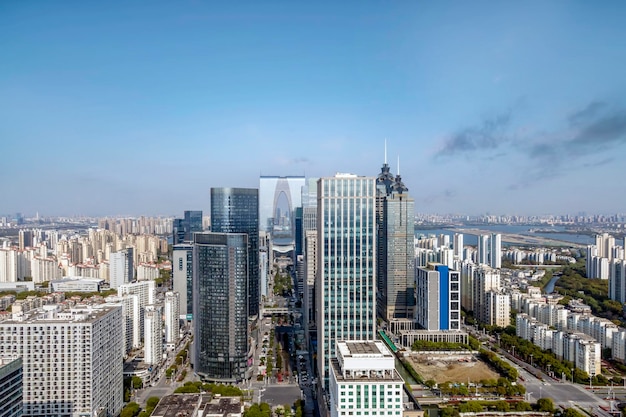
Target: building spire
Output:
[(398, 164)]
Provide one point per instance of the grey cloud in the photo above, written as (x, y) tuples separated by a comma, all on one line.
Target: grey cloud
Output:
[(490, 135), (587, 113), (604, 130)]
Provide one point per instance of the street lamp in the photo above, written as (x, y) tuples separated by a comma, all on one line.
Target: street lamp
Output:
[(572, 375), (531, 359)]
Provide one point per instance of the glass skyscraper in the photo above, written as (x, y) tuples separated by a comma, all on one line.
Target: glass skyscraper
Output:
[(395, 214), (236, 210), (220, 306), (346, 291), (183, 229)]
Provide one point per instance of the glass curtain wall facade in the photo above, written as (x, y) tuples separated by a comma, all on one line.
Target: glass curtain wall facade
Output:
[(236, 210), (182, 272), (220, 306), (346, 292)]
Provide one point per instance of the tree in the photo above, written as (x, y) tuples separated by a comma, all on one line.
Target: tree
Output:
[(130, 410), (545, 404), (137, 382), (152, 402), (523, 406), (470, 407), (430, 383), (501, 406)]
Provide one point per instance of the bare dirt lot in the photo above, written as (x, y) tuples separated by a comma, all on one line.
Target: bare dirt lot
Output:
[(444, 369)]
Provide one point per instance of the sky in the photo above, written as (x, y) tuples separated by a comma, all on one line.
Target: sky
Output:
[(139, 108)]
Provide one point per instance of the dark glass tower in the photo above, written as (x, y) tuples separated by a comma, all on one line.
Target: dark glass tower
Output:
[(236, 210), (185, 228), (220, 306), (394, 241)]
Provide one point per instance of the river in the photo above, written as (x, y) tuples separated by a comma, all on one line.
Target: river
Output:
[(549, 288)]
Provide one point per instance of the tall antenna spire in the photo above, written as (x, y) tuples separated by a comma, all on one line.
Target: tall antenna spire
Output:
[(398, 164)]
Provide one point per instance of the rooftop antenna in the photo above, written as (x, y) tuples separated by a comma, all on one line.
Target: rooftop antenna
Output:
[(398, 164), (385, 151)]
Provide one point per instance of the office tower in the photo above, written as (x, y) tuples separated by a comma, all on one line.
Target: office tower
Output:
[(236, 210), (364, 380), (278, 199), (172, 314), (72, 359), (266, 260), (482, 250), (183, 229), (11, 375), (346, 288), (182, 277), (458, 246), (495, 250), (437, 291), (153, 334), (220, 303), (395, 213), (193, 223), (121, 267)]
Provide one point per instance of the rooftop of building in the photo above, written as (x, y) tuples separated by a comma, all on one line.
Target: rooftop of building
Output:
[(60, 313), (362, 348), (222, 406), (177, 405), (387, 375)]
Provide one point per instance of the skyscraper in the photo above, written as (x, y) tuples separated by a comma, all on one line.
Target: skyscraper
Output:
[(236, 210), (346, 290), (183, 229), (395, 212), (220, 306)]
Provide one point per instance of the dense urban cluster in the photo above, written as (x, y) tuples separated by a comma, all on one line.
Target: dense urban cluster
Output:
[(321, 284)]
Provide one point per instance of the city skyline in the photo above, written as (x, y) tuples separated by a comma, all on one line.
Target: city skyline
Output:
[(119, 109)]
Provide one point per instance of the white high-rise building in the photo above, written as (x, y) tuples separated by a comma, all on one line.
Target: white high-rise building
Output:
[(483, 250), (364, 381), (131, 316), (495, 250), (346, 285), (485, 279), (498, 309), (72, 359), (182, 277), (145, 291), (458, 246), (121, 268), (172, 314), (153, 334)]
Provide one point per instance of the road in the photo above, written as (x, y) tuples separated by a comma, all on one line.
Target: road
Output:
[(562, 393)]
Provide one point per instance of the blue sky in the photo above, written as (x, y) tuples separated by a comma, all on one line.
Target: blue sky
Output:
[(127, 108)]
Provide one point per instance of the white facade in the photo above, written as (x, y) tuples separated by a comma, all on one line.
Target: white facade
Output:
[(72, 360), (364, 380), (145, 292), (121, 268), (498, 309), (172, 314), (153, 335)]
